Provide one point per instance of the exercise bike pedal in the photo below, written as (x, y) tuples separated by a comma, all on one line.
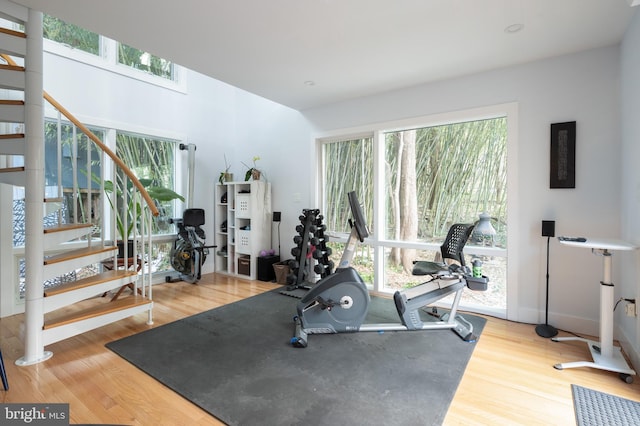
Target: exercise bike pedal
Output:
[(297, 342)]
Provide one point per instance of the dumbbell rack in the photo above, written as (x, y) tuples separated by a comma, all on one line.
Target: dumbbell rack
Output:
[(311, 243)]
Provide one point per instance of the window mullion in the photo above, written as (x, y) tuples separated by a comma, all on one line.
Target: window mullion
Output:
[(109, 50), (379, 217)]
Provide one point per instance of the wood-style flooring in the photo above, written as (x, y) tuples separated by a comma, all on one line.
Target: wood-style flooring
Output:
[(510, 379)]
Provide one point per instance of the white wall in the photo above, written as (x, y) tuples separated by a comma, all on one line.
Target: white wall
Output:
[(582, 87), (101, 97), (241, 125), (630, 179), (218, 118)]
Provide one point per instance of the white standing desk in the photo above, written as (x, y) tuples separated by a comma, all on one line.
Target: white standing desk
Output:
[(605, 355)]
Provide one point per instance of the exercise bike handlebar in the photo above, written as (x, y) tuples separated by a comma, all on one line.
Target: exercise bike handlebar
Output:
[(358, 222)]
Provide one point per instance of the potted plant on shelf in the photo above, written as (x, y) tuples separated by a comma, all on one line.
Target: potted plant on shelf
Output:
[(225, 176), (252, 172)]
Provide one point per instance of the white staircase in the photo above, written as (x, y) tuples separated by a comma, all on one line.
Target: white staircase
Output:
[(59, 312)]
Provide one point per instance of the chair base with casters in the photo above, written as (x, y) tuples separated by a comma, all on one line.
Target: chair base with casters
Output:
[(189, 250), (339, 303)]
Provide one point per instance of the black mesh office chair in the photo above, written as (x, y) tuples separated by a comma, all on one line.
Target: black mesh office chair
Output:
[(451, 249)]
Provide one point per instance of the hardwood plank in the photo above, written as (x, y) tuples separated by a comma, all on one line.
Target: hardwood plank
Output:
[(509, 380)]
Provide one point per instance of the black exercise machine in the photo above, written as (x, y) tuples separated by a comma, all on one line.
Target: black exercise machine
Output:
[(189, 250), (339, 303)]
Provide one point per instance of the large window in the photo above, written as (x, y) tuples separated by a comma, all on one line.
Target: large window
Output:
[(81, 198), (154, 159), (71, 35), (106, 50), (440, 175), (80, 160), (348, 166), (65, 146), (144, 61), (74, 174), (427, 179)]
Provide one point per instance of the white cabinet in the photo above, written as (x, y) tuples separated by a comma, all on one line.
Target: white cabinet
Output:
[(242, 226)]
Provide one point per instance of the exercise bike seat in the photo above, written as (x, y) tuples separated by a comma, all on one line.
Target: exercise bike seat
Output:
[(424, 267)]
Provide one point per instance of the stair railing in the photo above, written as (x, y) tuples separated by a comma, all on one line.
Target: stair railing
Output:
[(127, 193), (125, 178), (118, 162)]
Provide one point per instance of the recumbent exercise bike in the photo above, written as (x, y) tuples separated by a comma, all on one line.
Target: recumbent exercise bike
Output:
[(189, 250), (339, 303)]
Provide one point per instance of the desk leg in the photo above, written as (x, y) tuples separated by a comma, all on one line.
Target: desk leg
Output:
[(605, 356), (615, 362), (606, 308)]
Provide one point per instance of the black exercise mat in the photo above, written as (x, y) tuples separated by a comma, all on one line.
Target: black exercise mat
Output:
[(236, 362), (593, 407)]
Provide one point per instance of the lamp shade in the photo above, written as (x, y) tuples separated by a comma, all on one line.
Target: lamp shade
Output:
[(484, 226)]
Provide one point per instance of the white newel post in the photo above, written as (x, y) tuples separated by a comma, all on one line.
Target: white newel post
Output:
[(34, 193)]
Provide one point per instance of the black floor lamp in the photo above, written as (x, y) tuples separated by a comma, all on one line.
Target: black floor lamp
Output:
[(546, 330), (276, 218)]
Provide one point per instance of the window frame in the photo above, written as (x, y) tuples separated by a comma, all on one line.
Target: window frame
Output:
[(377, 239), (108, 61)]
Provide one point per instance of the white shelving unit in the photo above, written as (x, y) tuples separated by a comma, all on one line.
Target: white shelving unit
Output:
[(242, 226)]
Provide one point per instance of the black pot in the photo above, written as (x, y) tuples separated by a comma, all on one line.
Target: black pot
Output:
[(120, 245)]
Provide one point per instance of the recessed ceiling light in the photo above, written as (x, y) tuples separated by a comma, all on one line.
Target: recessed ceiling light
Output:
[(514, 28), (310, 83)]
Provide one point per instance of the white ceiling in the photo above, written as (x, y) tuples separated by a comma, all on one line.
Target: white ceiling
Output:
[(347, 48)]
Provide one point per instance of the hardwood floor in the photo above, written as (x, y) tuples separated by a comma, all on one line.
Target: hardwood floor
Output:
[(510, 379)]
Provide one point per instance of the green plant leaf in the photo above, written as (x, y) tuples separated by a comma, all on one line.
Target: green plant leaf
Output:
[(163, 194)]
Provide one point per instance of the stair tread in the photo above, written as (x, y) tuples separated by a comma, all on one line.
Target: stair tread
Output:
[(11, 102), (74, 254), (11, 169), (13, 32), (98, 310), (12, 136), (11, 67), (54, 200), (89, 281), (65, 227)]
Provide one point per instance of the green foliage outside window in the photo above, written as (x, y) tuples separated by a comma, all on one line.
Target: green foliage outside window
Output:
[(151, 159), (144, 61), (459, 171), (57, 30), (78, 38), (348, 166)]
